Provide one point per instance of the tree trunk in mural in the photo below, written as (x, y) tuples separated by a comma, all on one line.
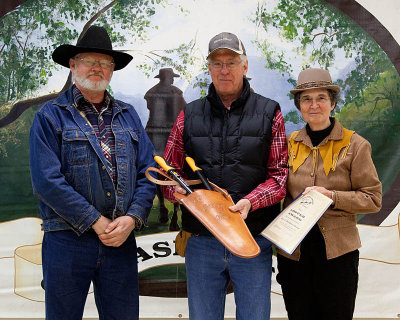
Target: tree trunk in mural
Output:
[(9, 5), (19, 107)]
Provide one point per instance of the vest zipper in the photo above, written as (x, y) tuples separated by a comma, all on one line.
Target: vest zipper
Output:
[(224, 133)]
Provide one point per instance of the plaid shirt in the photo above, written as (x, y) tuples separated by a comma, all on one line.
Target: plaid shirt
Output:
[(91, 115), (270, 192)]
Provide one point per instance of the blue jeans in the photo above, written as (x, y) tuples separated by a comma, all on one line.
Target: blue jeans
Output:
[(71, 263), (209, 266)]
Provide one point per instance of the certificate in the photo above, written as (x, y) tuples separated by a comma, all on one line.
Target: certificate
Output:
[(290, 227)]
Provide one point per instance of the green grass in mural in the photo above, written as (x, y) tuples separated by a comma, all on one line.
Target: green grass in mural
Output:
[(167, 273), (16, 198), (153, 225)]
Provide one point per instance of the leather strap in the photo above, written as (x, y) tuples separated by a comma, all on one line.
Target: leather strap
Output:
[(170, 181)]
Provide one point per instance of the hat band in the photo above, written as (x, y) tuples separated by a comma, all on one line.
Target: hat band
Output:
[(314, 84)]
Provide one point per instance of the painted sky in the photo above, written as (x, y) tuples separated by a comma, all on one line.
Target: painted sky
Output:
[(185, 20)]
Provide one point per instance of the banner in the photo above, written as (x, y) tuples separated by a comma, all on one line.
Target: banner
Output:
[(281, 37)]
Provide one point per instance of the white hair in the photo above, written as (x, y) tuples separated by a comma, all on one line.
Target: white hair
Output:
[(243, 59)]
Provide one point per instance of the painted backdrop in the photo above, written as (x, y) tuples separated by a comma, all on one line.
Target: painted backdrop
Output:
[(281, 37)]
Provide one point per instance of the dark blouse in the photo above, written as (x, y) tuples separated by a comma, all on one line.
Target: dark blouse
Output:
[(317, 136), (313, 243)]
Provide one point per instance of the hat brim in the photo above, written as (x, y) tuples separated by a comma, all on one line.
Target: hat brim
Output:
[(239, 52), (63, 53), (173, 74), (332, 87)]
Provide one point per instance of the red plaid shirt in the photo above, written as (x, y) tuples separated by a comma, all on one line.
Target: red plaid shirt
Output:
[(270, 192)]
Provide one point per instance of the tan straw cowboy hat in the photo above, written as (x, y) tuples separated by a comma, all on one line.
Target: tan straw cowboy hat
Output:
[(314, 78)]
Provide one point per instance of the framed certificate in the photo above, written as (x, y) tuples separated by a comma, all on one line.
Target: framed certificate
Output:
[(290, 227)]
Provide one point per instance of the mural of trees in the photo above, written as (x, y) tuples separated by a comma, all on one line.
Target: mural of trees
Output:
[(316, 33), (287, 36), (321, 34), (324, 37), (29, 34)]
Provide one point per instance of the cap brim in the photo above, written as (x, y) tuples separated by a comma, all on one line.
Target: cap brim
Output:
[(332, 87), (239, 52), (63, 53)]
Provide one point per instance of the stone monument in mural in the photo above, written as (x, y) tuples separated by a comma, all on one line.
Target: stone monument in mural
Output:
[(165, 102)]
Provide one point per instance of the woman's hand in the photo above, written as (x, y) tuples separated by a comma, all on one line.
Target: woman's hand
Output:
[(322, 190)]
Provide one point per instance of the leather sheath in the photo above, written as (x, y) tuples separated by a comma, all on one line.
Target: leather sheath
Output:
[(211, 208)]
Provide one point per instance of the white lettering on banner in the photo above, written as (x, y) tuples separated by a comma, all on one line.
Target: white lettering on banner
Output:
[(156, 250)]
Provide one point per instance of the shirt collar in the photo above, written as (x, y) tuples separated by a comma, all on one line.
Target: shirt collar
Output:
[(216, 100), (80, 100)]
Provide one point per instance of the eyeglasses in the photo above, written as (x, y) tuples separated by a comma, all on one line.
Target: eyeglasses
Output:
[(104, 64), (307, 101), (229, 65)]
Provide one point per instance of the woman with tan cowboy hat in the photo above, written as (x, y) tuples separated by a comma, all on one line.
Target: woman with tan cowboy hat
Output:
[(319, 280)]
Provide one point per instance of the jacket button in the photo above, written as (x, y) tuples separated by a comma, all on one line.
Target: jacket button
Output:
[(323, 228), (103, 167), (312, 174), (108, 194)]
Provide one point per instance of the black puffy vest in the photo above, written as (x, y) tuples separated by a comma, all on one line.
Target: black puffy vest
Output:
[(232, 148)]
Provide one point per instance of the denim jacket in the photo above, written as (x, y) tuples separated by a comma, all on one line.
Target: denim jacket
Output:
[(69, 171)]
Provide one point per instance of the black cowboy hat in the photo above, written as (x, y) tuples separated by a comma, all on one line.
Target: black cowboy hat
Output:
[(96, 39)]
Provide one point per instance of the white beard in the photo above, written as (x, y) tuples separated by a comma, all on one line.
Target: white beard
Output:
[(88, 84)]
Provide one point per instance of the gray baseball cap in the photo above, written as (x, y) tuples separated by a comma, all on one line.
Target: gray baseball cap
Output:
[(226, 40)]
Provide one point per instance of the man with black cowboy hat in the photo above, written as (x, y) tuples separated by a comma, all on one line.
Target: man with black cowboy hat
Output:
[(88, 155), (237, 138)]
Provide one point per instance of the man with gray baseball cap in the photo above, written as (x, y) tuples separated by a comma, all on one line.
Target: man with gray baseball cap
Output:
[(237, 138), (226, 40)]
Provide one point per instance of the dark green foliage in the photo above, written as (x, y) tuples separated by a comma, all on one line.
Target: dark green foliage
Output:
[(293, 116), (377, 118), (322, 35), (28, 36)]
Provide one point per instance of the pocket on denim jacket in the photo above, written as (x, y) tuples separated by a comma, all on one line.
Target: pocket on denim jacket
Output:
[(76, 147)]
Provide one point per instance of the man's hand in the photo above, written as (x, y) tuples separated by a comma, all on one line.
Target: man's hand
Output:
[(117, 231), (243, 206), (101, 225), (179, 189)]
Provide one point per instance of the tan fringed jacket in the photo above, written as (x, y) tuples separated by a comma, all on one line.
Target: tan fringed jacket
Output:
[(341, 162)]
